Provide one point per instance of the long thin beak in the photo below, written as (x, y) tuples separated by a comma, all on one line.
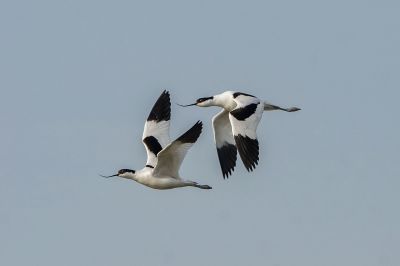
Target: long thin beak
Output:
[(186, 104), (105, 176)]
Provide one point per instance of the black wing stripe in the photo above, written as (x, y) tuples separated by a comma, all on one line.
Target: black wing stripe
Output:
[(244, 112), (248, 151), (236, 94), (152, 144), (192, 134), (227, 155), (161, 109)]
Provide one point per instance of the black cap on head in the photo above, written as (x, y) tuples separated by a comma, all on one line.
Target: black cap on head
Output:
[(200, 100), (123, 171)]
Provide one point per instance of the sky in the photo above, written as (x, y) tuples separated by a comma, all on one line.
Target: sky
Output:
[(78, 79)]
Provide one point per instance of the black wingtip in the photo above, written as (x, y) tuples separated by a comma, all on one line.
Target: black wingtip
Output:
[(192, 134), (227, 155), (248, 151), (161, 109)]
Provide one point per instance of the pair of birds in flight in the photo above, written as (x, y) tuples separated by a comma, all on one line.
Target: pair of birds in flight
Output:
[(234, 131)]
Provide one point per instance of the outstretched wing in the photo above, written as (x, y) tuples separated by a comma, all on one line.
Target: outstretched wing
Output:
[(156, 129), (244, 120), (225, 143), (171, 157)]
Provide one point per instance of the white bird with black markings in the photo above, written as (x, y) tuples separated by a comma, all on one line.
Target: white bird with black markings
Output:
[(235, 127), (164, 158)]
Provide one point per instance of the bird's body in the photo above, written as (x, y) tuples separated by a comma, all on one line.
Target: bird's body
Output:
[(147, 177), (235, 127), (164, 158)]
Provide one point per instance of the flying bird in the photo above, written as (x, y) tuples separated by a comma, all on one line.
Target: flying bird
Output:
[(235, 127), (164, 158)]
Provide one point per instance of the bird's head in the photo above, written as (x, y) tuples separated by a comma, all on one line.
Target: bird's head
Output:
[(124, 173), (202, 102)]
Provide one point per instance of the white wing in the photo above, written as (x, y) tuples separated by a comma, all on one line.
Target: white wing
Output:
[(244, 120), (225, 143), (156, 129), (171, 157)]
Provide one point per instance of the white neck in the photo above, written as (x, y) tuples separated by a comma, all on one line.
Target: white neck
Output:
[(140, 175), (130, 176), (225, 100)]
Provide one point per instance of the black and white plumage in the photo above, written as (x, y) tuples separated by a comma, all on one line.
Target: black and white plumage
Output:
[(156, 129), (235, 127), (164, 157)]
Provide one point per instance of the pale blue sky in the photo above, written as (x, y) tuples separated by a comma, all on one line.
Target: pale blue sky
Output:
[(78, 79)]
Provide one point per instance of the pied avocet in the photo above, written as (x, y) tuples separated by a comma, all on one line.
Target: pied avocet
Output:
[(163, 158), (235, 127)]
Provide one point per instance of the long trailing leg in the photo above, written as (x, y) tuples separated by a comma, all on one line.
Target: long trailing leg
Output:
[(272, 107), (195, 184), (203, 186)]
